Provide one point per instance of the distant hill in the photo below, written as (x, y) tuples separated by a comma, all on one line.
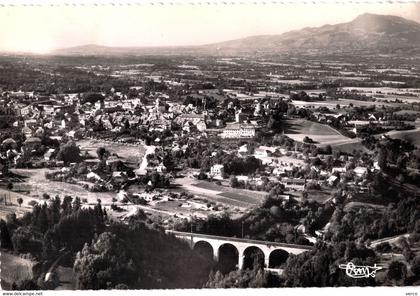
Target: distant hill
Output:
[(365, 32), (100, 50)]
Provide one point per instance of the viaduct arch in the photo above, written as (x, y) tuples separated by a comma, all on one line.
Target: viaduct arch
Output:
[(271, 255)]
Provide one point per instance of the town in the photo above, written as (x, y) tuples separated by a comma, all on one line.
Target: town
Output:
[(312, 154)]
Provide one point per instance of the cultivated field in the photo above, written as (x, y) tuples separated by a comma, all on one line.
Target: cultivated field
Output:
[(332, 104), (234, 194), (320, 133), (231, 197)]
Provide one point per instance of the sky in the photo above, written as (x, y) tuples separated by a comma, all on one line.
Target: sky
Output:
[(40, 29)]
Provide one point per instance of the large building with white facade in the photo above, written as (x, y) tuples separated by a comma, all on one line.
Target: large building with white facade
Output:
[(236, 130)]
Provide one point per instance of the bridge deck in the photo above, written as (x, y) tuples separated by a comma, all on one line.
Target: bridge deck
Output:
[(242, 240)]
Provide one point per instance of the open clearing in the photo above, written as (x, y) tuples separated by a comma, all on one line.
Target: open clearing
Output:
[(37, 184), (231, 197), (14, 269), (130, 153)]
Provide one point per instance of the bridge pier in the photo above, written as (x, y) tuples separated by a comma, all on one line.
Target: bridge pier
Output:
[(241, 245), (266, 261), (215, 253), (241, 258)]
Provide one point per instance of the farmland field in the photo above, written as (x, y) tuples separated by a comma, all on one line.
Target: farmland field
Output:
[(320, 133), (241, 195), (342, 102), (222, 194)]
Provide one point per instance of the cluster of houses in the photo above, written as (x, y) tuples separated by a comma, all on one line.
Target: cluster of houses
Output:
[(71, 114), (281, 166)]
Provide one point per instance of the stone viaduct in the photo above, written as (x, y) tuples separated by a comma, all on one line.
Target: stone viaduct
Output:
[(274, 254)]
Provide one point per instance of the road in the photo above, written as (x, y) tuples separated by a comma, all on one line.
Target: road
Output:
[(391, 240)]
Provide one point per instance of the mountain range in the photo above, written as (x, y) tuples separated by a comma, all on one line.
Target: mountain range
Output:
[(378, 33)]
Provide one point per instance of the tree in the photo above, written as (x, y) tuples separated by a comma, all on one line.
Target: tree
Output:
[(234, 182), (306, 139), (75, 229), (20, 201), (328, 149), (102, 153), (6, 241), (415, 266), (382, 159), (66, 205), (24, 242), (69, 152), (77, 204), (397, 272), (10, 188), (105, 264)]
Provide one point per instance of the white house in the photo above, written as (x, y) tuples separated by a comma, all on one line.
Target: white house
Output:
[(216, 170), (332, 180), (360, 171), (48, 154), (93, 176), (243, 149), (339, 170), (161, 168)]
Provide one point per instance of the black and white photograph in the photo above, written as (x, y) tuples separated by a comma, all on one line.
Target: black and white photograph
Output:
[(209, 145)]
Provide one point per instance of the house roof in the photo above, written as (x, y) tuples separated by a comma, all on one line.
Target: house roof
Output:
[(8, 141), (33, 140)]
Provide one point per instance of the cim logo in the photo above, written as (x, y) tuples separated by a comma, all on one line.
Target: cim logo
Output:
[(357, 272)]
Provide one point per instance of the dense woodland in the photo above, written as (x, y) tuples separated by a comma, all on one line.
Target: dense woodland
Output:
[(104, 254)]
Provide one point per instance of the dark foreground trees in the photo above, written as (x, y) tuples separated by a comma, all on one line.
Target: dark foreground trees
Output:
[(105, 254), (249, 278), (320, 267), (140, 258)]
